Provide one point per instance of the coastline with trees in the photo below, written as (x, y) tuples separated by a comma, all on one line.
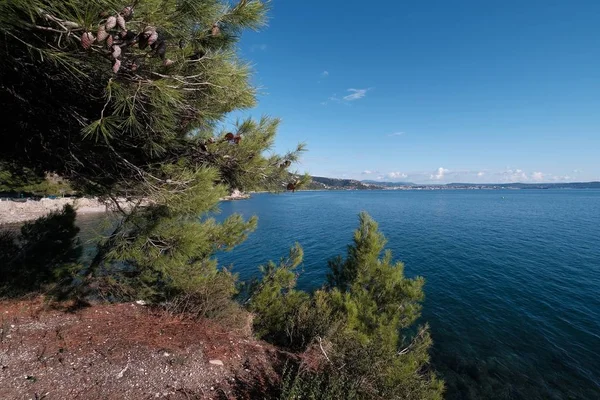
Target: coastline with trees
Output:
[(127, 100)]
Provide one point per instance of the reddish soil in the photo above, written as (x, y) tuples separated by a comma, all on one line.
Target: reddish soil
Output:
[(126, 351)]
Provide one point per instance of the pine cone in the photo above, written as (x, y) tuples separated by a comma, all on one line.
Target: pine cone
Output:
[(87, 39), (102, 34), (109, 41), (111, 22), (121, 22), (215, 30), (152, 38), (116, 66), (127, 13), (168, 62), (116, 51)]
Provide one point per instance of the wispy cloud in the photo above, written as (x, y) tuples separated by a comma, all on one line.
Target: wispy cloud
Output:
[(439, 174), (444, 175), (356, 94), (396, 175), (396, 134), (514, 175), (258, 47), (324, 74), (537, 176), (335, 99)]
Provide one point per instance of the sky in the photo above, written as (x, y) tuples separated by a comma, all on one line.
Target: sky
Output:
[(433, 91)]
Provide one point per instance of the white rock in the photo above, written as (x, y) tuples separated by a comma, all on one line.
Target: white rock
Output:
[(216, 362)]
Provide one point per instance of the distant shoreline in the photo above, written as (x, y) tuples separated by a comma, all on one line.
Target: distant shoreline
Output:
[(14, 212)]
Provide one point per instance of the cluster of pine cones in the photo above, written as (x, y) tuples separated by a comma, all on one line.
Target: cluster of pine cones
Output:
[(115, 34)]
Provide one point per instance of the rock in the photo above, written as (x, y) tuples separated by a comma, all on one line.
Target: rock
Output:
[(216, 362)]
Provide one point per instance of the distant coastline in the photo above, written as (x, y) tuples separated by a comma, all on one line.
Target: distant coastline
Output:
[(12, 212), (322, 183)]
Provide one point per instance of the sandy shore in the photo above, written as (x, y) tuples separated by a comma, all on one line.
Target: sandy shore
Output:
[(14, 212)]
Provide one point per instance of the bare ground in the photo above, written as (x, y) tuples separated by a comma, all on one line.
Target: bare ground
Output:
[(127, 351)]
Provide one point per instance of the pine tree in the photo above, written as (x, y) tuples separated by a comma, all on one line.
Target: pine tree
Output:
[(362, 322), (379, 306), (125, 99)]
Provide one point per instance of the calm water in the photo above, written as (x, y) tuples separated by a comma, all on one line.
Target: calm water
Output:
[(513, 277)]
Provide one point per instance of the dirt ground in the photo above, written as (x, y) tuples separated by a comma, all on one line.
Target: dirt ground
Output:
[(126, 351)]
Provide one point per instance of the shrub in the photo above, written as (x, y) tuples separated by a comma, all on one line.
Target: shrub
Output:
[(44, 252), (361, 322)]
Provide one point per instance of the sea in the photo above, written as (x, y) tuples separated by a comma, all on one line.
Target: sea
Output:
[(512, 276)]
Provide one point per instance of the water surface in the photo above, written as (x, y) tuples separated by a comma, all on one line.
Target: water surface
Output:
[(513, 277)]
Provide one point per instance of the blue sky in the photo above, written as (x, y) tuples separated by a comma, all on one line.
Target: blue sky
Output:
[(434, 91)]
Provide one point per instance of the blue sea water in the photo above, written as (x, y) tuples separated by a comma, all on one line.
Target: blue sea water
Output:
[(513, 277)]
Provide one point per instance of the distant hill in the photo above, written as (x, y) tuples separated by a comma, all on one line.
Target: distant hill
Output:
[(322, 183)]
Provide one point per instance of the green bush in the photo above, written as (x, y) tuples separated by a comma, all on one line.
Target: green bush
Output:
[(360, 323), (45, 252)]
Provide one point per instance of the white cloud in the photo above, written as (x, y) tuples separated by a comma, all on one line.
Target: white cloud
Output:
[(396, 134), (514, 175), (439, 174), (334, 98), (258, 47), (324, 74), (480, 174), (356, 94), (395, 175), (537, 176), (380, 177), (367, 172)]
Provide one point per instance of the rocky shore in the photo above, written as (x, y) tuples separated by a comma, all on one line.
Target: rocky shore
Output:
[(13, 212), (236, 195)]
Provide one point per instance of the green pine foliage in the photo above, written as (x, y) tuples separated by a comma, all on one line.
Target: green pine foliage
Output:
[(361, 323), (126, 100), (134, 115), (23, 181), (44, 252)]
